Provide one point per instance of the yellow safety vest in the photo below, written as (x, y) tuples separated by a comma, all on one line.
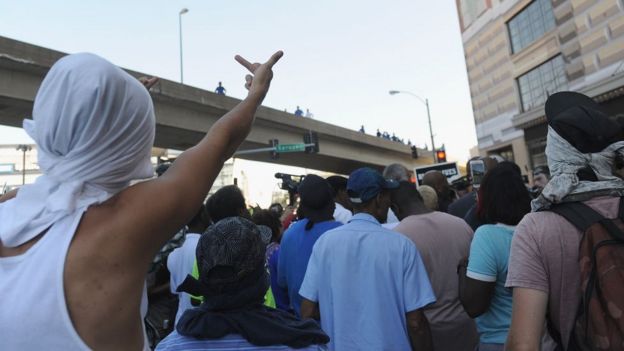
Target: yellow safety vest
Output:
[(269, 299)]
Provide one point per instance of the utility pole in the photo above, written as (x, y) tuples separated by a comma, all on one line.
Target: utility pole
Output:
[(23, 149)]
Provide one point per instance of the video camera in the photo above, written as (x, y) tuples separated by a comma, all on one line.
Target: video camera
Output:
[(290, 183)]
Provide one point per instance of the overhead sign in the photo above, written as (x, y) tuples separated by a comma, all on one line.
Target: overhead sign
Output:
[(449, 169), (290, 147)]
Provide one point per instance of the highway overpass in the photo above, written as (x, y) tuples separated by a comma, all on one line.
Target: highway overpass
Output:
[(184, 114)]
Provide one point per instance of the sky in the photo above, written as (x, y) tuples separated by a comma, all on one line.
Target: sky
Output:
[(341, 57)]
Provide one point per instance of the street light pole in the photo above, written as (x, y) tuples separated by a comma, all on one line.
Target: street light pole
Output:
[(426, 102), (183, 11), (23, 149)]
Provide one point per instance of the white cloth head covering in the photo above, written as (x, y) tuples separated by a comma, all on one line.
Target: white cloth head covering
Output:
[(94, 128), (564, 161)]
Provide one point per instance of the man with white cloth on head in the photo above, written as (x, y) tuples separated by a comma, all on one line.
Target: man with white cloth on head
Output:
[(75, 245)]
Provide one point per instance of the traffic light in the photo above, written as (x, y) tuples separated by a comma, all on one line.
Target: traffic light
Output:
[(414, 151), (441, 155), (311, 138), (274, 153)]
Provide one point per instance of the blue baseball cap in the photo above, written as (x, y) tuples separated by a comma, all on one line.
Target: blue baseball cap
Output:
[(366, 183)]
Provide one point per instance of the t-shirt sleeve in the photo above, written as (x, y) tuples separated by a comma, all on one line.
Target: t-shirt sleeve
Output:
[(173, 267), (310, 287), (482, 259), (526, 267), (273, 262), (418, 292)]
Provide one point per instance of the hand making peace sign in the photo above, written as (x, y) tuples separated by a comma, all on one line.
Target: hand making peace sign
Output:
[(259, 80)]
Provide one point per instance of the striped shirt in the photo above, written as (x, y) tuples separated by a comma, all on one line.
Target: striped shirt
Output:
[(175, 342)]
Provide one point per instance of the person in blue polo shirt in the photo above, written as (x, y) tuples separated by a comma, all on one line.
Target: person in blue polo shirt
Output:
[(367, 284), (317, 204)]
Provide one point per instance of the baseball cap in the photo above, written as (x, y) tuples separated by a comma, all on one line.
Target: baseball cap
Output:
[(366, 183), (315, 192), (230, 251), (581, 121)]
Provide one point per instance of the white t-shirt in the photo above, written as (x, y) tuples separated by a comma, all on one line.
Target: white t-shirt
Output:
[(392, 218), (341, 214), (390, 226), (180, 264)]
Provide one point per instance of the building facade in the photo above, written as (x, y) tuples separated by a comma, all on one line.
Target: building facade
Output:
[(518, 52)]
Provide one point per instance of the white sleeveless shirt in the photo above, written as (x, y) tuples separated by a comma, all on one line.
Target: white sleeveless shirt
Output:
[(33, 310)]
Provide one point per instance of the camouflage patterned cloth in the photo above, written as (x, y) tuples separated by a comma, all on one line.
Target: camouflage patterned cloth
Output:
[(233, 242), (565, 161)]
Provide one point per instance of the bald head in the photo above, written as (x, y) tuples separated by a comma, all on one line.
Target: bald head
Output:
[(429, 196), (492, 161), (436, 180), (397, 172)]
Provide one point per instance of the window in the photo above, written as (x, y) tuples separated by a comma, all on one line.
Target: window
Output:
[(530, 24), (537, 152), (536, 85), (506, 153)]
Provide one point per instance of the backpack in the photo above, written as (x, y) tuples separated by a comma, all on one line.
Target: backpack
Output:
[(600, 318)]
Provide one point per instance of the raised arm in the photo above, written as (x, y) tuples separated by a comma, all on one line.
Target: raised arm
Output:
[(161, 206)]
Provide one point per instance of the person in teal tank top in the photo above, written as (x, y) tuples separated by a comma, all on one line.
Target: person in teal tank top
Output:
[(502, 201)]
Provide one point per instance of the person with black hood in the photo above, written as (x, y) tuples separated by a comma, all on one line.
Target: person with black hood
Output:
[(584, 149), (317, 202), (233, 280)]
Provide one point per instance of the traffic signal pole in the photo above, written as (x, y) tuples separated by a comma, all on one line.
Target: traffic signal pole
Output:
[(433, 149)]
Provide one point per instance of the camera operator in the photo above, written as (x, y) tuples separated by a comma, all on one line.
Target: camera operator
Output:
[(291, 213)]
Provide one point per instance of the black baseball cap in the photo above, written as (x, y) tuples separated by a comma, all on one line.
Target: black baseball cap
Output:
[(315, 192)]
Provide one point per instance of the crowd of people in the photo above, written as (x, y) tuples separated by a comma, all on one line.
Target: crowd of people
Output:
[(364, 262), (388, 136)]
